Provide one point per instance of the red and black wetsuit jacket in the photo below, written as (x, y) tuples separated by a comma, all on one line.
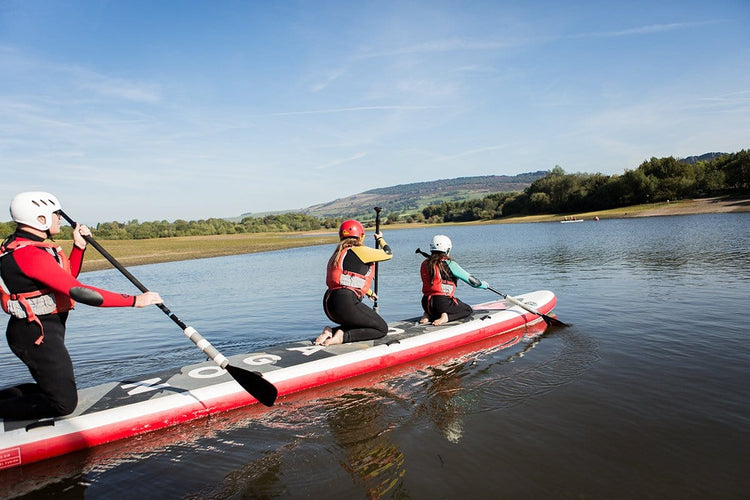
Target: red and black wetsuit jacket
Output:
[(437, 279), (38, 279)]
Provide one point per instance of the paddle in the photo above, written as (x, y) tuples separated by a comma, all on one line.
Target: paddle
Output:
[(377, 245), (253, 382), (547, 319)]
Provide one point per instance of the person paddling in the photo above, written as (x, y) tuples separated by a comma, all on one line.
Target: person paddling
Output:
[(349, 274), (39, 288), (440, 275)]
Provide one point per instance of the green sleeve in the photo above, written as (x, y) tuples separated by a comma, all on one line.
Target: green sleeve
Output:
[(464, 276)]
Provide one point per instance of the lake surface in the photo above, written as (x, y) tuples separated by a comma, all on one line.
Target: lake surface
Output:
[(646, 395)]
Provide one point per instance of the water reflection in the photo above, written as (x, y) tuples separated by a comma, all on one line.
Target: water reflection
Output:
[(447, 400), (361, 428), (343, 438)]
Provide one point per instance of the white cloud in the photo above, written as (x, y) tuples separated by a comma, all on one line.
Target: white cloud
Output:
[(645, 30), (342, 161)]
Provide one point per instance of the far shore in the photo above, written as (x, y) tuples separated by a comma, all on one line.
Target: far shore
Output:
[(152, 251)]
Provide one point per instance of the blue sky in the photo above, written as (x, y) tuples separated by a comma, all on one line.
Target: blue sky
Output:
[(156, 110)]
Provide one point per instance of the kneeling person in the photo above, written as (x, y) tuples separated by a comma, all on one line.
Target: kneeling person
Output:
[(349, 273), (440, 275), (39, 288)]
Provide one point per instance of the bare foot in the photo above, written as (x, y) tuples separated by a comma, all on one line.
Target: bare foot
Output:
[(323, 337), (424, 319), (338, 338), (442, 319)]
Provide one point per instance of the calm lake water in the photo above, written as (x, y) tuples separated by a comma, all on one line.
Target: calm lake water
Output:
[(646, 395)]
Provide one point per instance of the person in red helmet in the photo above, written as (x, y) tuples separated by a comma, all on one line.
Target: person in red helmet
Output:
[(349, 274), (39, 288)]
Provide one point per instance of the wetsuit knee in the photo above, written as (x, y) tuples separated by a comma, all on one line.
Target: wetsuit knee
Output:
[(10, 393), (65, 405)]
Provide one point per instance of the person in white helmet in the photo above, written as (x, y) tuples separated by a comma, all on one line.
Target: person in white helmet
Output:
[(440, 275), (39, 288)]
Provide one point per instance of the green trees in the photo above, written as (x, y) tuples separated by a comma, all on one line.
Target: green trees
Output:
[(7, 228), (736, 169), (655, 180), (206, 227)]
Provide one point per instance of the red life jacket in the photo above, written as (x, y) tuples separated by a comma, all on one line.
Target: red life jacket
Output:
[(35, 303), (435, 284), (338, 277)]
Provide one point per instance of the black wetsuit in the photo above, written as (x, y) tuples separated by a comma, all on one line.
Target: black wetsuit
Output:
[(342, 305), (55, 393), (435, 305)]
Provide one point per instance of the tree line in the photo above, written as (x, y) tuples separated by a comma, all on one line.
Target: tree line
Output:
[(287, 222), (134, 230), (654, 180)]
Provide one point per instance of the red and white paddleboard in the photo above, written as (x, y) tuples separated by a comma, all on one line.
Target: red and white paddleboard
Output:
[(126, 408)]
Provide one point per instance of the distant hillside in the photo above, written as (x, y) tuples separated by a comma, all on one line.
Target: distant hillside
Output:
[(410, 198), (703, 157)]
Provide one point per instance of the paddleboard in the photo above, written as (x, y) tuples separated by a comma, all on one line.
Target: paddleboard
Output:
[(137, 405)]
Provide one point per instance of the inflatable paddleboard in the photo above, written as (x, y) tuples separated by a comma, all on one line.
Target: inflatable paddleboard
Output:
[(130, 407)]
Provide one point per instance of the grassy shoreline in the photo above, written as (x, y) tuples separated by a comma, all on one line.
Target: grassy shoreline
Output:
[(152, 251)]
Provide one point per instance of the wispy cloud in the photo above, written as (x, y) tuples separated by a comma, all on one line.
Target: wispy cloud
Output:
[(644, 30), (118, 88), (327, 80), (741, 96), (72, 79), (341, 161), (352, 109), (472, 152), (442, 45)]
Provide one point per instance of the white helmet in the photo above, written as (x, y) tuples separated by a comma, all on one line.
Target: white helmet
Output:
[(26, 207), (441, 243)]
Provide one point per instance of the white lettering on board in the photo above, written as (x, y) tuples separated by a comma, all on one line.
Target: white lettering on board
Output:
[(307, 350), (207, 372), (261, 359), (10, 457), (144, 386)]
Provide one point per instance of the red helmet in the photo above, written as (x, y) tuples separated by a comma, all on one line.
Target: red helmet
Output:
[(351, 229)]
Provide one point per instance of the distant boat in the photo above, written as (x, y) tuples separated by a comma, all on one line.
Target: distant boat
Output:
[(571, 219)]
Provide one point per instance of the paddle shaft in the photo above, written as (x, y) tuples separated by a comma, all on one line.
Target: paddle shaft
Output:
[(547, 319), (377, 245), (91, 241), (248, 379)]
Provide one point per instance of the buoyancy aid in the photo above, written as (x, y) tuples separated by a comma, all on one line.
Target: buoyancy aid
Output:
[(338, 277), (35, 303), (435, 283)]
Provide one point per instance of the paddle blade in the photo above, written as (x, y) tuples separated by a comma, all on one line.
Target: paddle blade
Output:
[(254, 383), (552, 321)]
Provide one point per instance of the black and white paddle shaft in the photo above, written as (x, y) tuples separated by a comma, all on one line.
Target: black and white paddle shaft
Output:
[(253, 382), (550, 320), (377, 245)]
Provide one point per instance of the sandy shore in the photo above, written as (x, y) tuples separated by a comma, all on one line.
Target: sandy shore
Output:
[(698, 206)]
